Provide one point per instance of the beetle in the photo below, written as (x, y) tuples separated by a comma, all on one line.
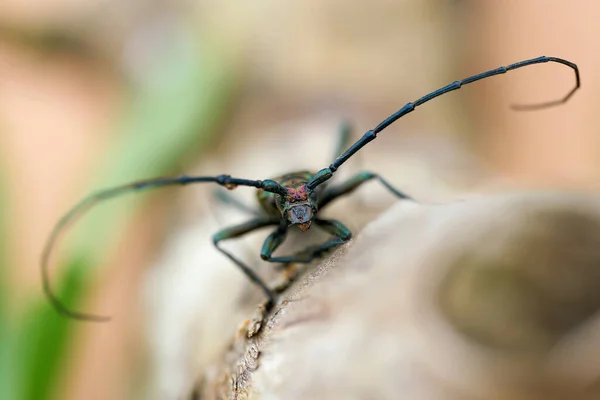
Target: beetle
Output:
[(291, 199)]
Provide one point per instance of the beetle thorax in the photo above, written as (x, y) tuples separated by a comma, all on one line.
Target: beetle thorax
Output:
[(296, 194)]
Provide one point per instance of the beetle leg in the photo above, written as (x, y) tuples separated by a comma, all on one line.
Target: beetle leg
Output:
[(343, 138), (347, 187), (240, 230), (336, 228), (225, 197)]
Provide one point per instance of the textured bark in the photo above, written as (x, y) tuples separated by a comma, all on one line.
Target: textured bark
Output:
[(488, 298)]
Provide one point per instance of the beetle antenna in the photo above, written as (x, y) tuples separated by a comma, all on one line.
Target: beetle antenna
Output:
[(326, 173), (87, 203)]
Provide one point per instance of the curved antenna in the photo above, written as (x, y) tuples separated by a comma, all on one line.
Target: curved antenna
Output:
[(326, 173), (528, 107), (87, 203)]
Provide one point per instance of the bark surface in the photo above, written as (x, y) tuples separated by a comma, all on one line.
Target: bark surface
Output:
[(489, 298)]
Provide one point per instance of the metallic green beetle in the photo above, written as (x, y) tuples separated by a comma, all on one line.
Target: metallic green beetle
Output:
[(292, 199)]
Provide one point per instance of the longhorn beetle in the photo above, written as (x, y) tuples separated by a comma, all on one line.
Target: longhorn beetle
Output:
[(291, 199)]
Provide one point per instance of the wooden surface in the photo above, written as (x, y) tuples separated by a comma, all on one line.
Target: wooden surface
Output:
[(488, 298)]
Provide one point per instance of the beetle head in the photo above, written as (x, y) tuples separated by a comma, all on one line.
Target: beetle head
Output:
[(298, 206)]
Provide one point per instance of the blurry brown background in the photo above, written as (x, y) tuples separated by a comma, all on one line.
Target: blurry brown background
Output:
[(298, 68)]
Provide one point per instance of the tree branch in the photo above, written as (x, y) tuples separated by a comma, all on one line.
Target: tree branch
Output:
[(489, 298)]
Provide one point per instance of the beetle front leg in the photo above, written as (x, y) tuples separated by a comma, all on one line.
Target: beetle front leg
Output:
[(336, 228), (332, 193), (237, 231), (273, 241)]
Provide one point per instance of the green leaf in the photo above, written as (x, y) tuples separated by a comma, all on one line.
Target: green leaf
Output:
[(172, 117), (8, 375), (43, 339)]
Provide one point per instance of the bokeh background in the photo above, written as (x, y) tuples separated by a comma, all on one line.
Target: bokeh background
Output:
[(99, 93)]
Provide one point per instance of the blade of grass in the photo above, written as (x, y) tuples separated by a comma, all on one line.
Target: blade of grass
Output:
[(8, 358), (171, 118)]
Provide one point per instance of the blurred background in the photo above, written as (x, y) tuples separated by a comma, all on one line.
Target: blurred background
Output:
[(99, 93)]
